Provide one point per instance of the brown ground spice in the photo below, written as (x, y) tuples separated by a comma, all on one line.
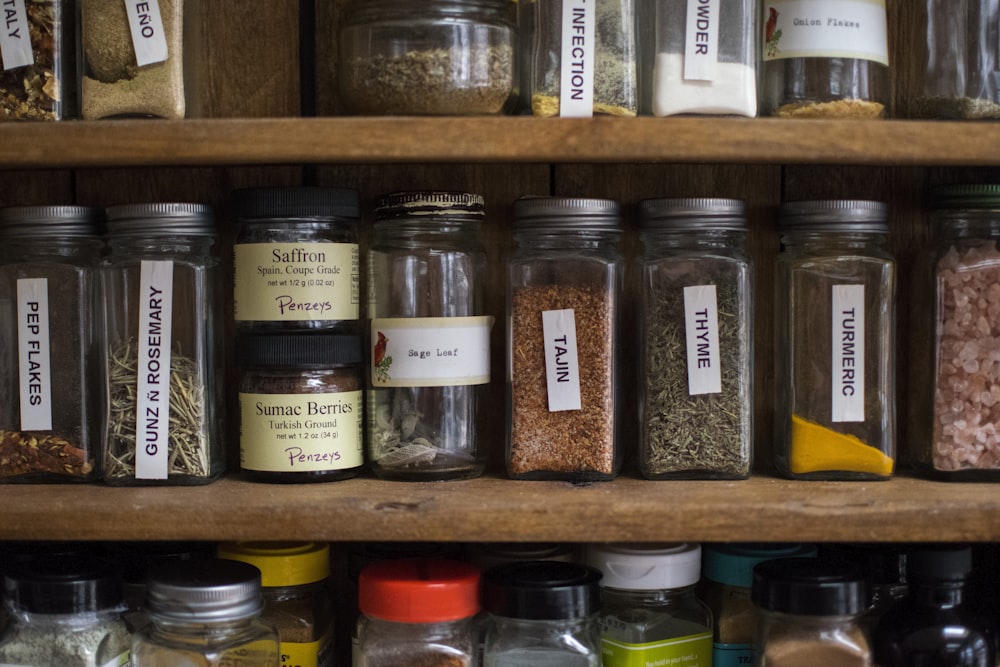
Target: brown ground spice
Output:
[(836, 109)]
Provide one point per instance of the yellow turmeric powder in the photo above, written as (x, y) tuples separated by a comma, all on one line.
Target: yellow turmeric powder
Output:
[(816, 448)]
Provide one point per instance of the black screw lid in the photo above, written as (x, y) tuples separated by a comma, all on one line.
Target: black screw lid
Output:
[(542, 590), (939, 563), (295, 202), (59, 586), (276, 350), (810, 587)]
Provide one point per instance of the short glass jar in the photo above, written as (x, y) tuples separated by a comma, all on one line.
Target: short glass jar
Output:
[(301, 407), (38, 60), (428, 57)]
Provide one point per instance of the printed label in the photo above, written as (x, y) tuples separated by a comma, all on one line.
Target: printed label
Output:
[(562, 365), (430, 351), (848, 311), (307, 654), (296, 281), (701, 319), (123, 660), (15, 38), (579, 42), (732, 655), (148, 37), (301, 432), (152, 421), (33, 343), (689, 651), (826, 29), (701, 41)]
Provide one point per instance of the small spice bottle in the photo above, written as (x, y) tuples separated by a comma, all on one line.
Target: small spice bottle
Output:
[(49, 400), (824, 59), (564, 289), (418, 611), (205, 613), (542, 613), (296, 596), (301, 407), (164, 369), (649, 611), (38, 57), (428, 57), (835, 330), (696, 353), (296, 259), (430, 337), (810, 613)]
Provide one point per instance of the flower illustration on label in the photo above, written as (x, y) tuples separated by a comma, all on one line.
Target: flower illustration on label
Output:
[(380, 362), (771, 35)]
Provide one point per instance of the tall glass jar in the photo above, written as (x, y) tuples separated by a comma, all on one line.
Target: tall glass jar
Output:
[(38, 58), (696, 354), (564, 289), (824, 59), (430, 337), (164, 367), (835, 365), (49, 344)]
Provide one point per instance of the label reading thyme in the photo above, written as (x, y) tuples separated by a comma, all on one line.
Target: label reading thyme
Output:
[(33, 354), (848, 346), (701, 317), (156, 301)]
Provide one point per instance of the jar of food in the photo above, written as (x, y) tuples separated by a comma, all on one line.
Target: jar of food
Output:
[(696, 350), (430, 337), (825, 59), (428, 57), (584, 58), (164, 367), (296, 261), (140, 59), (564, 288), (38, 57), (301, 407), (649, 611), (835, 365), (49, 344)]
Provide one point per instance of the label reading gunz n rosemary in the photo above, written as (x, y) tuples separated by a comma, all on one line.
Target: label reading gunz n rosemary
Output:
[(156, 302)]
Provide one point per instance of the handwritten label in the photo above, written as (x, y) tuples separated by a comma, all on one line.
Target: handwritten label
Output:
[(148, 36), (156, 301), (33, 346), (826, 29), (701, 42), (848, 344), (562, 365), (579, 42), (701, 319), (15, 39)]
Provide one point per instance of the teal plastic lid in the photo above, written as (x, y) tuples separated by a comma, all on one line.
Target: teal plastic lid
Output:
[(732, 564)]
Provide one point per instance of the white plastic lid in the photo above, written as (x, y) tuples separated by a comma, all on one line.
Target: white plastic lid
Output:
[(645, 567)]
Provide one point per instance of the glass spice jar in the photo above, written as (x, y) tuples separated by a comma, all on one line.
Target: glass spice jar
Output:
[(164, 368), (428, 57), (564, 288), (696, 354), (835, 330), (38, 54), (49, 344), (824, 59), (301, 407), (430, 337)]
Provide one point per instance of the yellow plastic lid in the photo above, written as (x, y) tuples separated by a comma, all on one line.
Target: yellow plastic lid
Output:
[(282, 563)]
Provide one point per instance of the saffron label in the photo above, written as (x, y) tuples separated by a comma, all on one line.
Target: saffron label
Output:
[(701, 40), (156, 304), (579, 42), (848, 345), (562, 366), (15, 40), (33, 347), (430, 351), (826, 29), (688, 651), (701, 320), (148, 36)]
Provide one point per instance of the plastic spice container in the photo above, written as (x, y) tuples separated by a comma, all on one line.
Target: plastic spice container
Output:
[(296, 596), (430, 337), (301, 407), (205, 613), (649, 612), (696, 354), (140, 58), (49, 344), (428, 57), (164, 368), (835, 336), (296, 259), (824, 59), (38, 57), (418, 611)]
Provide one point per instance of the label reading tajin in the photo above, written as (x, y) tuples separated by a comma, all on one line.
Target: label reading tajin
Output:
[(848, 345), (579, 43), (156, 303), (15, 40), (33, 346), (562, 365)]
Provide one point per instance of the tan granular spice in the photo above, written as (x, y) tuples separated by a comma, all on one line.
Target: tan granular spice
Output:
[(572, 441), (547, 106), (850, 108)]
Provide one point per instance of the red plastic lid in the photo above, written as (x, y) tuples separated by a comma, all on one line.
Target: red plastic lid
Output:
[(419, 590)]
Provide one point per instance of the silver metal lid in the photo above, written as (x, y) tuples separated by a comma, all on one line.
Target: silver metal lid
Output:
[(205, 591), (834, 215), (966, 196), (693, 213), (163, 219), (566, 213), (49, 221)]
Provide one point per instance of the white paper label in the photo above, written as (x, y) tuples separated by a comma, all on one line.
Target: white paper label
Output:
[(848, 312), (148, 37), (15, 39), (430, 351), (33, 354), (701, 41), (579, 42), (562, 366), (826, 29), (701, 319), (156, 301)]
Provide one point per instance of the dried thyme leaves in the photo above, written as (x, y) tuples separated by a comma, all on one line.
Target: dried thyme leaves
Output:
[(33, 92)]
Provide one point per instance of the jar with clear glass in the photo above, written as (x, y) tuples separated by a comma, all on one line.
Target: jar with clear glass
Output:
[(696, 349), (163, 354), (38, 60), (835, 337), (428, 57), (50, 336), (824, 59), (650, 613), (430, 337), (565, 281)]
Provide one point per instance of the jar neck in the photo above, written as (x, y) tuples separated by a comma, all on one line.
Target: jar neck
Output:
[(718, 240), (967, 224), (565, 239), (365, 11), (651, 598), (194, 246), (529, 626), (841, 240), (938, 593), (55, 249), (67, 622), (195, 629), (407, 232)]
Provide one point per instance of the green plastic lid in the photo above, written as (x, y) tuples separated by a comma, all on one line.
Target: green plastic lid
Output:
[(732, 564)]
